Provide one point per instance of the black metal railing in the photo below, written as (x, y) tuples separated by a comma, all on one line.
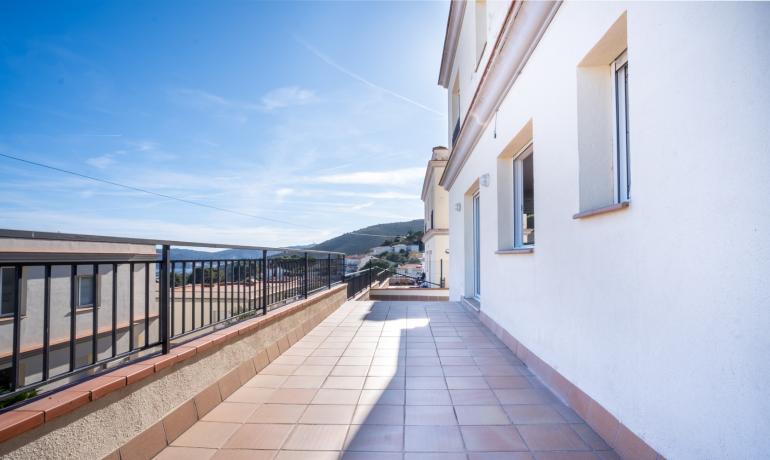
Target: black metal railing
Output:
[(65, 320), (364, 279)]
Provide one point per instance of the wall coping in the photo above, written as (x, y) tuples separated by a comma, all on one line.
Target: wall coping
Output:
[(35, 413)]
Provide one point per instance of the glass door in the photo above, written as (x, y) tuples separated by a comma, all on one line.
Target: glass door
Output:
[(476, 246)]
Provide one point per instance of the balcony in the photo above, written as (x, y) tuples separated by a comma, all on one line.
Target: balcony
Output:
[(275, 353)]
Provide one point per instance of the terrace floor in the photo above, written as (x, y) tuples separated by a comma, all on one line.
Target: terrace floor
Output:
[(393, 380)]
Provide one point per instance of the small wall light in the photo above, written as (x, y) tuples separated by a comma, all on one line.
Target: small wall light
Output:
[(458, 207), (484, 180)]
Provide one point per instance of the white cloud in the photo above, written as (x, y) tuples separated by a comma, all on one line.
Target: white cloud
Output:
[(288, 96), (405, 176), (102, 161)]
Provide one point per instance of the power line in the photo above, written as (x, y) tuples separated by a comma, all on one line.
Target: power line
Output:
[(150, 192), (181, 200)]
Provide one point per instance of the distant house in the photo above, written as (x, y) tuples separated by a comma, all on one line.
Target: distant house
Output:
[(436, 237), (414, 270)]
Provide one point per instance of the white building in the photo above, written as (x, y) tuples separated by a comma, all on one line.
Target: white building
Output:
[(89, 295), (638, 133), (436, 236)]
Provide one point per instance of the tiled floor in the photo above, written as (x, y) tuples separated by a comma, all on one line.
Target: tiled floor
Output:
[(393, 380)]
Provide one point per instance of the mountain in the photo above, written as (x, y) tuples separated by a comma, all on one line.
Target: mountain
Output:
[(358, 243)]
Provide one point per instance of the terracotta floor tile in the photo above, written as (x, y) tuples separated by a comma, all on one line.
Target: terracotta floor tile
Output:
[(425, 383), (266, 381), (382, 397), (430, 415), (303, 381), (526, 414), (379, 415), (291, 396), (206, 434), (344, 383), (385, 371), (244, 454), (307, 455), (492, 438), (466, 383), (566, 456), (279, 369), (290, 359), (349, 371), (375, 438), (434, 456), (313, 369), (432, 439), (259, 436), (230, 412), (277, 413), (394, 383), (473, 397), (321, 360), (355, 361), (427, 397), (424, 371), (551, 437), (462, 371), (372, 456), (512, 382), (523, 396), (251, 395), (481, 415), (500, 456), (317, 437), (328, 414), (185, 453), (336, 396)]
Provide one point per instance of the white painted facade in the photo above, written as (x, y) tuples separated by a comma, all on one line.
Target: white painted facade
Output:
[(659, 309), (436, 236)]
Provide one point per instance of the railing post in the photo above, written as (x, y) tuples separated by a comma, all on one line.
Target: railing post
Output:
[(329, 272), (264, 282), (306, 273), (164, 298)]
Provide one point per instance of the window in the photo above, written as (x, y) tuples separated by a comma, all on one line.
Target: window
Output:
[(481, 29), (86, 290), (602, 117), (431, 220), (622, 164), (7, 290), (524, 198)]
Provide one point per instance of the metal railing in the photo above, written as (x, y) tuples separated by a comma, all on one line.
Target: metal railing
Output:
[(65, 320), (363, 279)]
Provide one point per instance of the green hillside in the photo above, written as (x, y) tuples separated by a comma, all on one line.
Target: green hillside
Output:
[(355, 243)]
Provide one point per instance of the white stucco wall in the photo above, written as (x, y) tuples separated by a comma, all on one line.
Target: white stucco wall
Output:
[(660, 311)]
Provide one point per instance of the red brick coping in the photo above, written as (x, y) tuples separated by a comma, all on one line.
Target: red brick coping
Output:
[(29, 416), (615, 433)]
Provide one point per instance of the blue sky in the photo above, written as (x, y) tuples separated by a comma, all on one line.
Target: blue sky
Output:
[(317, 114)]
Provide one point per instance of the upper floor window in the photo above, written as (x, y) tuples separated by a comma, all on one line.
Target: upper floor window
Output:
[(481, 29), (454, 110), (431, 219), (622, 163), (524, 198), (7, 290), (85, 291)]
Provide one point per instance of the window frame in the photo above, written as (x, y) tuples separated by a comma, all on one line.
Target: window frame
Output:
[(13, 307), (518, 194), (620, 142), (480, 20), (78, 303)]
